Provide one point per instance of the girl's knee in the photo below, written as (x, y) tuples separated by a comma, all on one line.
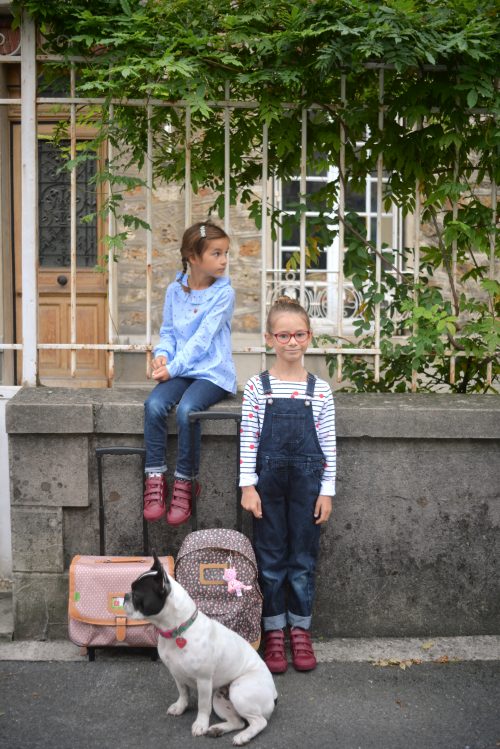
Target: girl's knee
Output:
[(156, 408), (182, 416), (182, 413)]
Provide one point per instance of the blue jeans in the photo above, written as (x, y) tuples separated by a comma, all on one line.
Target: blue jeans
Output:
[(190, 395), (286, 539)]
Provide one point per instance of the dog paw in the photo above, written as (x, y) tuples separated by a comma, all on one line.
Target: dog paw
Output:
[(215, 731), (240, 739), (199, 727), (177, 708)]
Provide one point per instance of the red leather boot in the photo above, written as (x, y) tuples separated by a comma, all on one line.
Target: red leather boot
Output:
[(303, 657), (155, 494), (274, 651), (180, 507)]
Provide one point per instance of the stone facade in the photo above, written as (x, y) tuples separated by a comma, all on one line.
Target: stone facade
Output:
[(245, 264), (412, 548), (168, 227)]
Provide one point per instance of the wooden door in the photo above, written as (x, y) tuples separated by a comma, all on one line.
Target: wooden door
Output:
[(54, 312)]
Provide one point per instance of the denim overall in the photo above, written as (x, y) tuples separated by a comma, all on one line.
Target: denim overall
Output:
[(290, 465)]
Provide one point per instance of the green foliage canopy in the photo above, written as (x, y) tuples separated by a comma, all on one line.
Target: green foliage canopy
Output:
[(440, 133)]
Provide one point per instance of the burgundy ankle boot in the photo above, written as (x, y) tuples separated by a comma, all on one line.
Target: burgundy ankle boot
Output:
[(180, 507), (155, 494)]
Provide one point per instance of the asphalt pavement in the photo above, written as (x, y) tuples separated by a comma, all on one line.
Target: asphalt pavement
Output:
[(390, 699)]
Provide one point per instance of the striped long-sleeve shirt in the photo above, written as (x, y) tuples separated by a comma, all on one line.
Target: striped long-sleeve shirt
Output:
[(254, 409)]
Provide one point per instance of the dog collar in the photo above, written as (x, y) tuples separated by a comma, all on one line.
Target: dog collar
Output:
[(169, 634)]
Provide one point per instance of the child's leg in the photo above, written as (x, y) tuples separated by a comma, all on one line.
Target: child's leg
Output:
[(303, 553), (271, 550), (270, 538), (156, 409), (160, 401), (199, 396), (303, 544)]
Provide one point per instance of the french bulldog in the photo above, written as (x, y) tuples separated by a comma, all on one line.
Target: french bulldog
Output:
[(203, 654)]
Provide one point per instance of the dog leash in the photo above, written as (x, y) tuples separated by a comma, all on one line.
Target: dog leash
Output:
[(169, 634)]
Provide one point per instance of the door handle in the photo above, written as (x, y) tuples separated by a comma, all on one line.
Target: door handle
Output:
[(62, 280)]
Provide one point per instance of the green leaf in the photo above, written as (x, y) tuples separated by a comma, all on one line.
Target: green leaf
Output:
[(126, 7), (472, 98), (491, 286)]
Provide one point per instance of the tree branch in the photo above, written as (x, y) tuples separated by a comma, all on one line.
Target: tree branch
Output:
[(446, 263)]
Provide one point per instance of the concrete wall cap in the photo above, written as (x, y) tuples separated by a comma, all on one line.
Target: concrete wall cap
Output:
[(120, 411)]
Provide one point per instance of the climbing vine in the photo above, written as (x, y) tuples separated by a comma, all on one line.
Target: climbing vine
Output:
[(439, 139)]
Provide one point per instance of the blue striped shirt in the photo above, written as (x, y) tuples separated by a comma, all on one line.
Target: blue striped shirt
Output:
[(195, 335)]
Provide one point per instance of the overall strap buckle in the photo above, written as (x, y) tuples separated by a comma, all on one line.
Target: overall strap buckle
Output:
[(266, 385), (311, 382)]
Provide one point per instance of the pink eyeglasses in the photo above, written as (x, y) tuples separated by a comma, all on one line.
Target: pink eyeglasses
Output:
[(300, 336)]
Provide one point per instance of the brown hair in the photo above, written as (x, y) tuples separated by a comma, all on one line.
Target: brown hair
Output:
[(286, 304), (194, 242)]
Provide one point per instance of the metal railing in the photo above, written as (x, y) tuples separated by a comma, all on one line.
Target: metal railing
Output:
[(307, 288)]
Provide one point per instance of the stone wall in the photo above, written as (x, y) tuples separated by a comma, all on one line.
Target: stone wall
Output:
[(413, 546)]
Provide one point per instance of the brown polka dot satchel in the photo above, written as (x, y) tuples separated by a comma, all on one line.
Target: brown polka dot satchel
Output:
[(218, 569)]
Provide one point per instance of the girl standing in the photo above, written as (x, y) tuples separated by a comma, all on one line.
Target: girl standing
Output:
[(287, 476), (192, 365)]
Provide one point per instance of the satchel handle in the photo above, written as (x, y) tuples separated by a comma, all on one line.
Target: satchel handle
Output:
[(100, 452)]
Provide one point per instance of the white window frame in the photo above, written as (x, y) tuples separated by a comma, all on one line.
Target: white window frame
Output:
[(327, 323)]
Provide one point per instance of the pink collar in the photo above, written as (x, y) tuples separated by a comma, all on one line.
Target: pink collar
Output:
[(177, 631)]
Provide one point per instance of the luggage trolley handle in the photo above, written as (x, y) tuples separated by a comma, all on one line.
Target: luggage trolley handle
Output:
[(194, 417), (117, 450)]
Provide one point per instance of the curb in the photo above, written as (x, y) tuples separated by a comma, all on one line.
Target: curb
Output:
[(400, 652), (409, 651)]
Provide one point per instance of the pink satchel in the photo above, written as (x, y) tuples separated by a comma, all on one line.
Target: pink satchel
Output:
[(97, 586)]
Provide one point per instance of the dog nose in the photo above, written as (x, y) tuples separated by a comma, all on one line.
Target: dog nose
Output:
[(126, 598)]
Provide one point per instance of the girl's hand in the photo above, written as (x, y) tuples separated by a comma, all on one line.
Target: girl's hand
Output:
[(323, 509), (250, 501), (158, 361), (160, 371)]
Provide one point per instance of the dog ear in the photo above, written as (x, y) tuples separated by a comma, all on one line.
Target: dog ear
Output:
[(160, 571), (157, 566)]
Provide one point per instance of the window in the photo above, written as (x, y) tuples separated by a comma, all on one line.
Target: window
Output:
[(321, 286), (54, 210)]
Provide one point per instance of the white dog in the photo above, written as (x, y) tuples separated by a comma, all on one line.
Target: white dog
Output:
[(203, 654)]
